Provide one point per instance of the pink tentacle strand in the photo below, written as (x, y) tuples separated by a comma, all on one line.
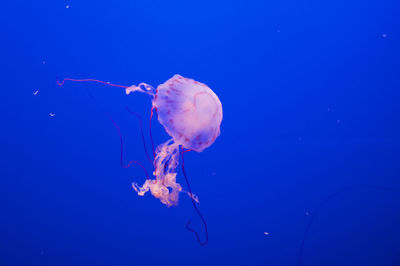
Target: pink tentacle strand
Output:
[(141, 131), (90, 80), (202, 243), (151, 135), (112, 120), (121, 161)]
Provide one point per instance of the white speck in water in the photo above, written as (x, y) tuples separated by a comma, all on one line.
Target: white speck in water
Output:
[(52, 114), (35, 92), (67, 6)]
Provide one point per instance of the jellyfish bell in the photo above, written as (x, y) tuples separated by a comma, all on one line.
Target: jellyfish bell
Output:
[(191, 114), (190, 111)]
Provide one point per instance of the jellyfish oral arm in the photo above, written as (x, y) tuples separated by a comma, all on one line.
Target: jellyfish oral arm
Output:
[(142, 87), (164, 187)]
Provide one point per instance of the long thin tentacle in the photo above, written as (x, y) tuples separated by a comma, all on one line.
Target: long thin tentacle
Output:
[(90, 80), (121, 161), (195, 208), (109, 116), (141, 131), (151, 135)]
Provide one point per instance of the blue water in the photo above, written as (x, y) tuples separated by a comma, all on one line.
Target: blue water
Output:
[(310, 94)]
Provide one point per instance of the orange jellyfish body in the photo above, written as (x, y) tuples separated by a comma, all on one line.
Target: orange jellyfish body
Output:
[(191, 114)]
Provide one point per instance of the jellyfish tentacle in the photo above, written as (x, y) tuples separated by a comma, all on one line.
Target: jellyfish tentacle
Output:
[(90, 80), (120, 138), (150, 90), (121, 160), (202, 243), (151, 135), (141, 131), (112, 120)]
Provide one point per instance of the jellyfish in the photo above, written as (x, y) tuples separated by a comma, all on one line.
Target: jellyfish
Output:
[(191, 114)]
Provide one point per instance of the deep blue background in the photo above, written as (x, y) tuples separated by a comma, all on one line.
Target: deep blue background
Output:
[(310, 94)]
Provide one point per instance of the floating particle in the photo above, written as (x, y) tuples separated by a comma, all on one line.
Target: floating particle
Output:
[(67, 6), (384, 35), (43, 62), (52, 114), (307, 213), (266, 233), (35, 92)]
